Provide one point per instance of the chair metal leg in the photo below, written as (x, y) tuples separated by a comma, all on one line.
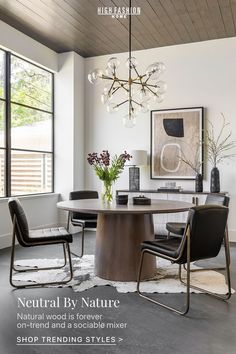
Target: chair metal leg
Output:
[(226, 240), (82, 245), (227, 259), (70, 262), (68, 222), (82, 237), (12, 250), (37, 269), (186, 309)]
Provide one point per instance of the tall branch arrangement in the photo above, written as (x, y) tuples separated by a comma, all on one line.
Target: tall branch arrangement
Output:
[(195, 163), (219, 145)]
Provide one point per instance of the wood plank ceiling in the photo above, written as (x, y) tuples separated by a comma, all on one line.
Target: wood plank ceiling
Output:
[(65, 25)]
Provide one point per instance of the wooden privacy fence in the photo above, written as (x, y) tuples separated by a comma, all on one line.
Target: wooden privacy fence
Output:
[(30, 173)]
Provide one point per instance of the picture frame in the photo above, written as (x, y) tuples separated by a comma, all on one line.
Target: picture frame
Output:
[(176, 133)]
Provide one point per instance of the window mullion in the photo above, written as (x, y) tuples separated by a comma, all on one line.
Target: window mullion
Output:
[(8, 125), (31, 177)]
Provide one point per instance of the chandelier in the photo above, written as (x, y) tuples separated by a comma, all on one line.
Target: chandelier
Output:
[(137, 91)]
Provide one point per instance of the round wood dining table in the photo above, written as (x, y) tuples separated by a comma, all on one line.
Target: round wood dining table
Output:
[(120, 231)]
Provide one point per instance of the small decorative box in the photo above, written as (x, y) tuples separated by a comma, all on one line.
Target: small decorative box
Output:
[(122, 199), (141, 200)]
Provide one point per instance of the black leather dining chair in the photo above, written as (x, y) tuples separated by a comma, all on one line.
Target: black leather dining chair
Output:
[(30, 238), (202, 239), (177, 228), (83, 220)]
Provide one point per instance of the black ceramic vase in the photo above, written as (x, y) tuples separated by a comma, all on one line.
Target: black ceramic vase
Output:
[(215, 180), (198, 183)]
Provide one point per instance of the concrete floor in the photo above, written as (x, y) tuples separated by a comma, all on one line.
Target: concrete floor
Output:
[(208, 328)]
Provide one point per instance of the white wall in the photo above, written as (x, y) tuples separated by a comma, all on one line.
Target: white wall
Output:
[(69, 125), (17, 42), (198, 74), (40, 210), (78, 122)]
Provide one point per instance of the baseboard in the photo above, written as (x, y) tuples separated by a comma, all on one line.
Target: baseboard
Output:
[(5, 240), (232, 235)]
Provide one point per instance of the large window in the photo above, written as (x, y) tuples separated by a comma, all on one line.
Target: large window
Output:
[(26, 127)]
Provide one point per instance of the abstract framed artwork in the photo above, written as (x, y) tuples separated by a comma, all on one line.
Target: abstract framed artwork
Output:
[(176, 133)]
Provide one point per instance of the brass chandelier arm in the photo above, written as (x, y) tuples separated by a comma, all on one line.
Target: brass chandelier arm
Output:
[(116, 89), (125, 88), (147, 79), (123, 85), (104, 77), (139, 104), (127, 81), (131, 106), (120, 104), (154, 93), (149, 85), (139, 77), (111, 88)]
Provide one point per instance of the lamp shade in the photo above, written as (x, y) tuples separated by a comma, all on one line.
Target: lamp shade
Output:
[(139, 158)]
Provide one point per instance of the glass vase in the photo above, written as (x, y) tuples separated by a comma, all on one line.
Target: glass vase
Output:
[(107, 191)]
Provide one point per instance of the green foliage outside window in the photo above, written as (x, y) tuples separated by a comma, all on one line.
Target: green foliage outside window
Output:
[(30, 86)]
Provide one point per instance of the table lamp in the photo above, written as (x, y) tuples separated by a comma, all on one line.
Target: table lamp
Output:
[(139, 158)]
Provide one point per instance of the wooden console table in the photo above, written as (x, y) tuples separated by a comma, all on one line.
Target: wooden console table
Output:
[(196, 196), (189, 196)]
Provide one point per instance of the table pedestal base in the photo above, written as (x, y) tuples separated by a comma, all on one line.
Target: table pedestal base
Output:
[(118, 242)]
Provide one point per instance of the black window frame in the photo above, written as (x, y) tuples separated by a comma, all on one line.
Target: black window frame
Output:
[(8, 149)]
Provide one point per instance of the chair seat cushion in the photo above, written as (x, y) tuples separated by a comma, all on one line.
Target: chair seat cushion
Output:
[(176, 228), (52, 234), (169, 247)]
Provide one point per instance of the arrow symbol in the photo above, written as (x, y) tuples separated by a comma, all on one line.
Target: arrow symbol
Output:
[(120, 339)]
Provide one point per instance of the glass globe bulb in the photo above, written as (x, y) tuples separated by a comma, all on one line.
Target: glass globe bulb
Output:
[(113, 63), (161, 87), (144, 108), (112, 108), (132, 62), (144, 94), (154, 70), (109, 72), (129, 122), (106, 88), (161, 67), (104, 98), (158, 98), (95, 76)]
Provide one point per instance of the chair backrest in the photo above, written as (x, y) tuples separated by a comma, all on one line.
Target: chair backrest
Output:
[(22, 227), (217, 199), (207, 224), (83, 195), (86, 194)]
